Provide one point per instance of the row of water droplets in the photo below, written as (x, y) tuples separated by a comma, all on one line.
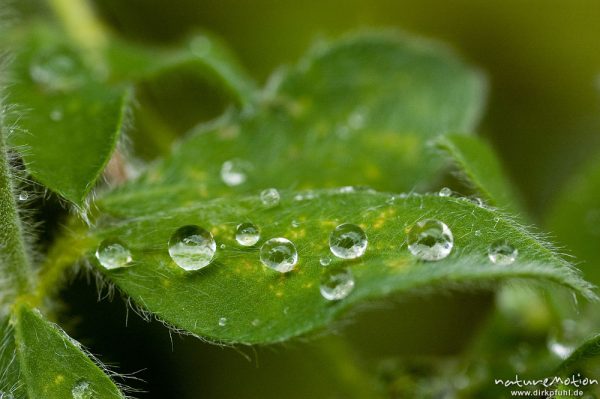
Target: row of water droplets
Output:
[(82, 389), (192, 248)]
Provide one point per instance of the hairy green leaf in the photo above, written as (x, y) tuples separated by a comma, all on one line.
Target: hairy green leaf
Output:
[(66, 120), (478, 161), (50, 364), (357, 112), (590, 349), (575, 218), (205, 54), (262, 306)]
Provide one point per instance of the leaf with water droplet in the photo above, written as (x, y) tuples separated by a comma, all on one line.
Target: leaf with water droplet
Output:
[(47, 363), (237, 280)]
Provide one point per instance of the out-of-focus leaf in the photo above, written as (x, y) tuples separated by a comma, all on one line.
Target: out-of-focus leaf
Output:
[(52, 365), (356, 112), (588, 350), (477, 160), (205, 54), (66, 120), (259, 305)]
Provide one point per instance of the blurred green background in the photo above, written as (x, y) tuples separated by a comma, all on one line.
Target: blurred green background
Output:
[(542, 59)]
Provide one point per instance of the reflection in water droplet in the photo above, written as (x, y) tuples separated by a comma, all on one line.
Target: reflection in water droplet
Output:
[(247, 234), (279, 254), (337, 284), (222, 321), (445, 192), (348, 241), (82, 390), (192, 248), (270, 197), (235, 172), (502, 253), (113, 254), (325, 260), (430, 240)]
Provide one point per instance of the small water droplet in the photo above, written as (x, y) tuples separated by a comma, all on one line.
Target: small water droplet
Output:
[(563, 341), (295, 224), (445, 192), (325, 260), (279, 254), (222, 321), (235, 172), (113, 254), (255, 322), (247, 234), (56, 115), (477, 233), (192, 248), (222, 246), (430, 240), (23, 196), (348, 241), (502, 253), (337, 284), (270, 197), (82, 390)]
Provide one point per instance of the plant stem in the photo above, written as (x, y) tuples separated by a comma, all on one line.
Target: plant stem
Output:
[(80, 22), (15, 265)]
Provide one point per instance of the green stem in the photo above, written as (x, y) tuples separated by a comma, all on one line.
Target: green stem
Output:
[(80, 22), (15, 265)]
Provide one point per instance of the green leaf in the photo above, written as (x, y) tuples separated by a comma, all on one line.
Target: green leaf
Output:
[(204, 54), (51, 364), (356, 112), (67, 120), (575, 218), (482, 169), (590, 349), (264, 306), (9, 364)]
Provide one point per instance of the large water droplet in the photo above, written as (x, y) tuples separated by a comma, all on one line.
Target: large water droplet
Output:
[(192, 248), (57, 70), (430, 240), (445, 192), (279, 254), (502, 253), (270, 197), (337, 284), (247, 234), (113, 254), (348, 241), (82, 390), (235, 172), (325, 260)]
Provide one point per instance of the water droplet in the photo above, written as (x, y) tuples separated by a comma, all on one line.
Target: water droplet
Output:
[(295, 224), (82, 390), (255, 322), (348, 241), (222, 246), (325, 260), (247, 234), (222, 321), (356, 120), (270, 197), (478, 201), (57, 70), (23, 196), (346, 189), (502, 253), (192, 248), (56, 115), (337, 284), (235, 172), (430, 240), (445, 192), (113, 254), (279, 254), (562, 342), (477, 233)]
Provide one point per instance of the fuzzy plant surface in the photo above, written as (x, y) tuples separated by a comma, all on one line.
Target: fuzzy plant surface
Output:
[(306, 199)]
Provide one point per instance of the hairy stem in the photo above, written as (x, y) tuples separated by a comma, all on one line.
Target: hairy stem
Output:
[(15, 265)]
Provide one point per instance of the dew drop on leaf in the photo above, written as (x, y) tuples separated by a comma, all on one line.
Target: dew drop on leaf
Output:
[(325, 260), (348, 241), (56, 115), (502, 253), (235, 172), (57, 70), (270, 197), (445, 192), (247, 234), (337, 284), (192, 248), (23, 196), (82, 390), (113, 254), (430, 240), (222, 321), (279, 254)]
